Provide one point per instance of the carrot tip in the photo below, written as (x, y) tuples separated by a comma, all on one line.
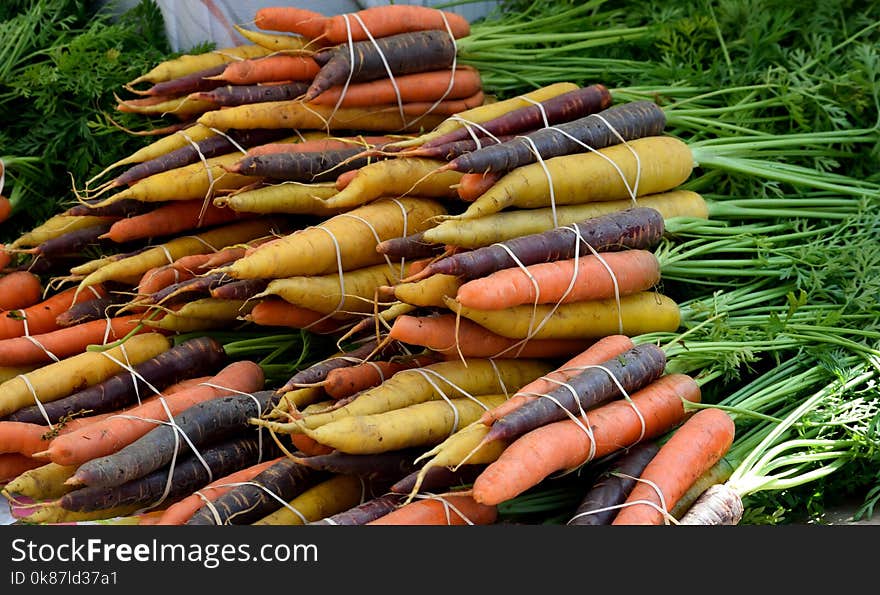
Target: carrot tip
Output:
[(43, 454), (74, 481)]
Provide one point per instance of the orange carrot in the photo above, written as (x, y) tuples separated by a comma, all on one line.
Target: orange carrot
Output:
[(600, 351), (563, 445), (418, 87), (276, 67), (472, 186), (345, 178), (13, 464), (168, 219), (5, 209), (380, 21), (277, 312), (161, 277), (41, 316), (694, 447), (110, 435), (307, 23), (564, 281), (309, 446), (179, 512), (344, 382), (452, 337), (28, 438), (185, 385), (5, 257), (437, 510), (447, 107), (65, 341), (19, 290)]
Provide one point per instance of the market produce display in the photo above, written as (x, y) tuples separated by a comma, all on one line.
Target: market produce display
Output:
[(572, 263)]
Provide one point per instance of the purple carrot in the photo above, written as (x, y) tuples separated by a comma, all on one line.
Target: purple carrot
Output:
[(640, 228), (439, 479), (405, 53), (188, 154), (383, 466), (318, 372), (122, 208), (364, 513), (189, 475), (598, 506), (562, 108), (189, 83), (633, 370), (628, 121), (411, 246), (309, 166), (89, 310), (233, 95), (201, 356), (239, 290), (72, 242)]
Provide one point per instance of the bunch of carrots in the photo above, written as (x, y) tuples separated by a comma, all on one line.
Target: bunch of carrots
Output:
[(484, 268)]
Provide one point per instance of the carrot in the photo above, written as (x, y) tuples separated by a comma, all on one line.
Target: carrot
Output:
[(277, 312), (472, 186), (396, 177), (195, 151), (324, 143), (188, 475), (275, 42), (10, 372), (352, 292), (403, 53), (336, 494), (5, 209), (438, 479), (71, 242), (599, 504), (692, 449), (201, 243), (123, 208), (189, 63), (54, 514), (604, 349), (166, 220), (507, 225), (110, 435), (202, 423), (718, 473), (441, 510), (382, 21), (189, 182), (344, 382), (635, 314), (313, 251), (54, 227), (632, 370), (410, 246), (427, 292), (276, 67), (463, 338), (181, 292), (317, 372), (564, 445), (65, 342), (183, 108), (554, 110), (309, 447), (28, 438), (13, 464), (430, 383), (190, 83), (239, 290), (447, 107), (308, 116), (308, 23), (639, 228), (179, 512), (86, 368), (430, 86), (664, 162), (20, 289), (301, 166), (363, 513), (201, 314), (375, 468), (345, 178), (564, 281), (485, 113), (45, 482), (627, 121), (5, 257), (244, 504), (193, 357), (449, 151), (285, 197), (411, 426), (718, 505), (232, 95)]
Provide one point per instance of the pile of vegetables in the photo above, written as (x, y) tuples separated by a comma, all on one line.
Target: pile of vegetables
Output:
[(363, 277)]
